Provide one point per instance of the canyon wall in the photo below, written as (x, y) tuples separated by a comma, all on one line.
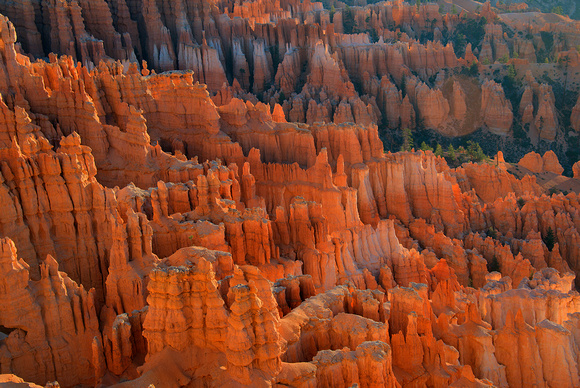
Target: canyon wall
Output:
[(170, 228)]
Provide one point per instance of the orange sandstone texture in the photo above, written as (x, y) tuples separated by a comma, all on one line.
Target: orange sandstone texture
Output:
[(537, 164), (576, 170), (172, 229)]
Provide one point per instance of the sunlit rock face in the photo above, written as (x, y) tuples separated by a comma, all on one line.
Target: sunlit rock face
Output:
[(200, 192)]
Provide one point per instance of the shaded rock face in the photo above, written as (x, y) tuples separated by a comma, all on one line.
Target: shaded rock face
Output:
[(495, 109), (575, 117), (432, 106), (453, 106), (171, 229)]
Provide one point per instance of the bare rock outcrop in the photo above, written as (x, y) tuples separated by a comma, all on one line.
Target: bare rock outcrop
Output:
[(539, 164), (51, 324), (213, 173), (496, 110)]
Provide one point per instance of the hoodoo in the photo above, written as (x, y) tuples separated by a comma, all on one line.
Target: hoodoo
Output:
[(289, 194)]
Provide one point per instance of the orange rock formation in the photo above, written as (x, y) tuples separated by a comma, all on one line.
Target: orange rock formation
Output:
[(238, 223)]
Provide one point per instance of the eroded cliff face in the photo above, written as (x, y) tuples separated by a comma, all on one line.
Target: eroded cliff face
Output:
[(298, 55), (156, 234), (51, 324), (288, 52)]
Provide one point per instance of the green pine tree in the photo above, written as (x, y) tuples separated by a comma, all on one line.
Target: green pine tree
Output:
[(348, 20), (425, 147), (512, 72), (475, 152), (407, 140), (451, 152), (550, 239)]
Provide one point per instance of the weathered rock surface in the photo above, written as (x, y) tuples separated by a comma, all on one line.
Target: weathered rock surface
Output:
[(52, 324), (238, 223), (495, 109), (575, 117), (539, 164)]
